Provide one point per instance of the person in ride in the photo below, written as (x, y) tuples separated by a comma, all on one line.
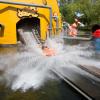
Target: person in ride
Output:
[(73, 28), (96, 31), (96, 36), (48, 51)]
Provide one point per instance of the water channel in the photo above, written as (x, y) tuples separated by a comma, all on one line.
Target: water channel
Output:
[(26, 73)]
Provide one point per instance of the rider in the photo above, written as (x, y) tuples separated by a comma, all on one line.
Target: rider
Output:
[(73, 28), (96, 36), (48, 51)]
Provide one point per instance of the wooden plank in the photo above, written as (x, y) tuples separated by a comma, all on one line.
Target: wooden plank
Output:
[(91, 69)]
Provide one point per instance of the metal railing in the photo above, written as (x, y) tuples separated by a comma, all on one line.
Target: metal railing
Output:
[(78, 38)]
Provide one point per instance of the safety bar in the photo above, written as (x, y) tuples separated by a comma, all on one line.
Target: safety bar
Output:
[(34, 5)]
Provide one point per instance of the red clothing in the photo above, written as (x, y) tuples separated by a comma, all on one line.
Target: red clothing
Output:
[(96, 34)]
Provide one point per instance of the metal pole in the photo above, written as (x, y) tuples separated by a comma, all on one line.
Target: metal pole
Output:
[(50, 27), (34, 5), (57, 23)]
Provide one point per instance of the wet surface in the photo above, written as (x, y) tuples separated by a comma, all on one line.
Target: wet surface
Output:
[(55, 90), (52, 90), (83, 80)]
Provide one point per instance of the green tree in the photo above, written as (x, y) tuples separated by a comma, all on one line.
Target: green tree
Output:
[(87, 7)]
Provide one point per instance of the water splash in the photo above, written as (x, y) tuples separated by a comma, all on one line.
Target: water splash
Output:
[(31, 69)]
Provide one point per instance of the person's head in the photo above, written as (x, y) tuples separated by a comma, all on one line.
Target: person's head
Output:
[(43, 47), (76, 20), (95, 27)]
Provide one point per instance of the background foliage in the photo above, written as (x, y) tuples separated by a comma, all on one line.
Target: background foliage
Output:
[(90, 9)]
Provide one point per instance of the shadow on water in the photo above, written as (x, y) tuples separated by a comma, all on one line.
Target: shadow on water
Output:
[(52, 90)]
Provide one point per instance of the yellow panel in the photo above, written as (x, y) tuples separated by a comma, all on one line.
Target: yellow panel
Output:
[(9, 18)]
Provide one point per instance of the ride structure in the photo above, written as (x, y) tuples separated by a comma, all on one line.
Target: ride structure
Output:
[(42, 17)]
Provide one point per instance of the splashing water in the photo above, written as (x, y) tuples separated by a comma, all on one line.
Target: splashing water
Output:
[(31, 68)]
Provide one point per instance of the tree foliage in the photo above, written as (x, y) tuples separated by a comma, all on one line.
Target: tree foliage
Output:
[(87, 7)]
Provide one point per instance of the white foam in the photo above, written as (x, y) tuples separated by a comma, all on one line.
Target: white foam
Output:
[(30, 69)]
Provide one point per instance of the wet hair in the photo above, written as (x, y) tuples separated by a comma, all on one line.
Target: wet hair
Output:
[(95, 27), (44, 47)]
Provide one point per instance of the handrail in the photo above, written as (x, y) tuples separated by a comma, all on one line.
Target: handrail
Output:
[(77, 38), (33, 31)]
